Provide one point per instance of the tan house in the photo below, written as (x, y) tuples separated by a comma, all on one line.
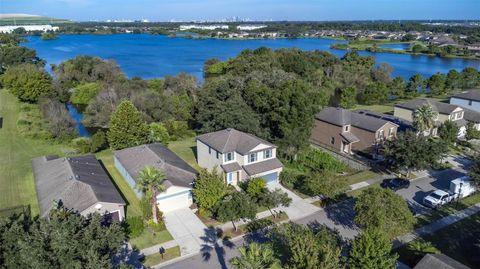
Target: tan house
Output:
[(457, 114), (347, 131), (240, 156)]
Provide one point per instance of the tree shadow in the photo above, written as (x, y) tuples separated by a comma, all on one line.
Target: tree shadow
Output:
[(342, 213), (212, 244), (128, 256), (195, 153)]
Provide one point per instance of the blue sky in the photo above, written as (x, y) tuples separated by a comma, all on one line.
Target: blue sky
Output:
[(163, 10)]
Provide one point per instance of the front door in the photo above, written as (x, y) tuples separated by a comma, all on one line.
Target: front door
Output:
[(346, 147)]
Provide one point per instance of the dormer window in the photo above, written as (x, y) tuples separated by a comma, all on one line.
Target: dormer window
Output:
[(267, 154), (347, 128), (252, 157), (229, 156)]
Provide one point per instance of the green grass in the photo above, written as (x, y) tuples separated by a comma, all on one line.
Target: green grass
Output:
[(156, 258), (133, 208), (448, 210), (149, 238), (459, 241), (385, 108), (186, 149), (360, 176), (17, 186)]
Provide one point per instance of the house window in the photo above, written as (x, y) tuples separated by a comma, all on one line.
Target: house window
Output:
[(332, 140), (217, 154), (228, 156), (346, 128), (252, 157), (209, 150), (381, 134), (267, 154), (390, 132), (229, 178)]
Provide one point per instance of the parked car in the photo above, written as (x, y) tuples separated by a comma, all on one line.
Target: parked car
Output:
[(395, 183), (439, 198)]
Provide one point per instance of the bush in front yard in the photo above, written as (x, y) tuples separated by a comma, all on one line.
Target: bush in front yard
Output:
[(258, 224), (135, 226), (289, 178)]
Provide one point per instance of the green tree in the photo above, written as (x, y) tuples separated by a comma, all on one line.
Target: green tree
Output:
[(415, 85), (255, 256), (417, 48), (385, 210), (158, 133), (375, 93), (209, 189), (397, 87), (236, 206), (84, 93), (470, 78), (372, 250), (325, 184), (255, 186), (126, 127), (474, 171), (472, 132), (448, 131), (99, 139), (150, 184), (272, 199), (348, 98), (453, 80), (27, 82), (12, 54), (424, 118), (49, 36), (436, 84)]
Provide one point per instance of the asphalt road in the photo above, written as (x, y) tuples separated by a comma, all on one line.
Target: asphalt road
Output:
[(339, 216)]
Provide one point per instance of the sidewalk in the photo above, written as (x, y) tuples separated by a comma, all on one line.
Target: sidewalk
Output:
[(155, 249), (437, 225)]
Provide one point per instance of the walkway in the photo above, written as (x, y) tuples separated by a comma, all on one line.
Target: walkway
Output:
[(437, 225), (156, 249), (186, 229)]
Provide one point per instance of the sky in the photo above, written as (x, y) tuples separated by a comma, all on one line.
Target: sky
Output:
[(314, 10)]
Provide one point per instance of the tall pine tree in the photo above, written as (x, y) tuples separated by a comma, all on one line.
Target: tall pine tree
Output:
[(372, 250), (126, 127)]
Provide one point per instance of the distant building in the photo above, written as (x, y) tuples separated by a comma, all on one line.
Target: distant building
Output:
[(468, 99), (439, 261), (203, 27), (29, 28), (250, 27), (77, 183)]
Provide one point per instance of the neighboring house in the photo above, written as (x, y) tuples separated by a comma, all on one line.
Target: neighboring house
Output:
[(240, 156), (346, 131), (179, 175), (459, 115), (439, 261), (469, 99), (77, 183)]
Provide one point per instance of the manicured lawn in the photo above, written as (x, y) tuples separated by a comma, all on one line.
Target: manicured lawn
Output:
[(360, 176), (156, 258), (17, 187), (448, 210), (149, 238), (386, 108), (186, 149), (133, 203), (459, 241)]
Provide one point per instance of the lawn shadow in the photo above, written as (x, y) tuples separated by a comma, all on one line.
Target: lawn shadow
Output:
[(129, 256)]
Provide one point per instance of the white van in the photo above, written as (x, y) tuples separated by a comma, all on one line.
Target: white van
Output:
[(463, 186)]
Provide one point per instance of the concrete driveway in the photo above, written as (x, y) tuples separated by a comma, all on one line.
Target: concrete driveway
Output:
[(186, 229), (299, 208)]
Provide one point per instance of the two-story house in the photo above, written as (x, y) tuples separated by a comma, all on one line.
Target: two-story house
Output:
[(468, 99), (347, 131), (457, 114), (240, 156)]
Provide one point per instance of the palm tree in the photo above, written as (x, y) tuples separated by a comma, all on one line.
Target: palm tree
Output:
[(255, 256), (424, 118), (150, 184)]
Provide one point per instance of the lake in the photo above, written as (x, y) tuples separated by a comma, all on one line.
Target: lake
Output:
[(398, 46), (150, 56)]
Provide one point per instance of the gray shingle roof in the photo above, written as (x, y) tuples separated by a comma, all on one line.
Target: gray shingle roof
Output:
[(177, 171), (264, 166), (471, 115), (440, 107), (439, 261), (341, 117), (403, 125), (230, 167), (351, 138), (78, 182), (473, 95), (229, 140)]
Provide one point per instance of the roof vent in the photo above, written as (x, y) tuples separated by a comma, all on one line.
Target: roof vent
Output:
[(77, 176)]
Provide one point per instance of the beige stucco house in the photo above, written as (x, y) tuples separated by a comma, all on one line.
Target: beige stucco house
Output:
[(240, 156)]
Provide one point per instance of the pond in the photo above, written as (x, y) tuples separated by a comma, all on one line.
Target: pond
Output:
[(77, 116), (398, 46)]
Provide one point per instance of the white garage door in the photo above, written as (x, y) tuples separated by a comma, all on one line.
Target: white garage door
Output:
[(175, 201), (270, 178)]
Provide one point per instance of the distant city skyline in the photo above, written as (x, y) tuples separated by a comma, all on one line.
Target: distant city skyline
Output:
[(208, 10)]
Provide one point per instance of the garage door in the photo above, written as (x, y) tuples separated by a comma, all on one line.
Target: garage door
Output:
[(270, 178), (175, 201)]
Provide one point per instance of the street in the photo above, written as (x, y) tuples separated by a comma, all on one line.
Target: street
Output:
[(339, 216)]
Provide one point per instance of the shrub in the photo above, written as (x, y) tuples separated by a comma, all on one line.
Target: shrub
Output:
[(178, 129), (289, 178), (255, 186), (98, 141), (82, 94), (82, 144), (135, 226), (258, 224), (160, 226), (319, 161)]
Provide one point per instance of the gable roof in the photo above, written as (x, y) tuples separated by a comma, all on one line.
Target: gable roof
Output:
[(403, 125), (471, 115), (473, 95), (229, 140), (78, 182), (440, 107), (341, 117), (439, 261), (176, 170)]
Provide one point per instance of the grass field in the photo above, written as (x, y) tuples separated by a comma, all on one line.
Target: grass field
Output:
[(186, 149), (156, 258), (460, 241), (17, 187)]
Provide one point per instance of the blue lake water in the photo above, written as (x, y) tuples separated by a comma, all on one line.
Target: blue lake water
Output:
[(77, 116), (400, 46), (150, 56)]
